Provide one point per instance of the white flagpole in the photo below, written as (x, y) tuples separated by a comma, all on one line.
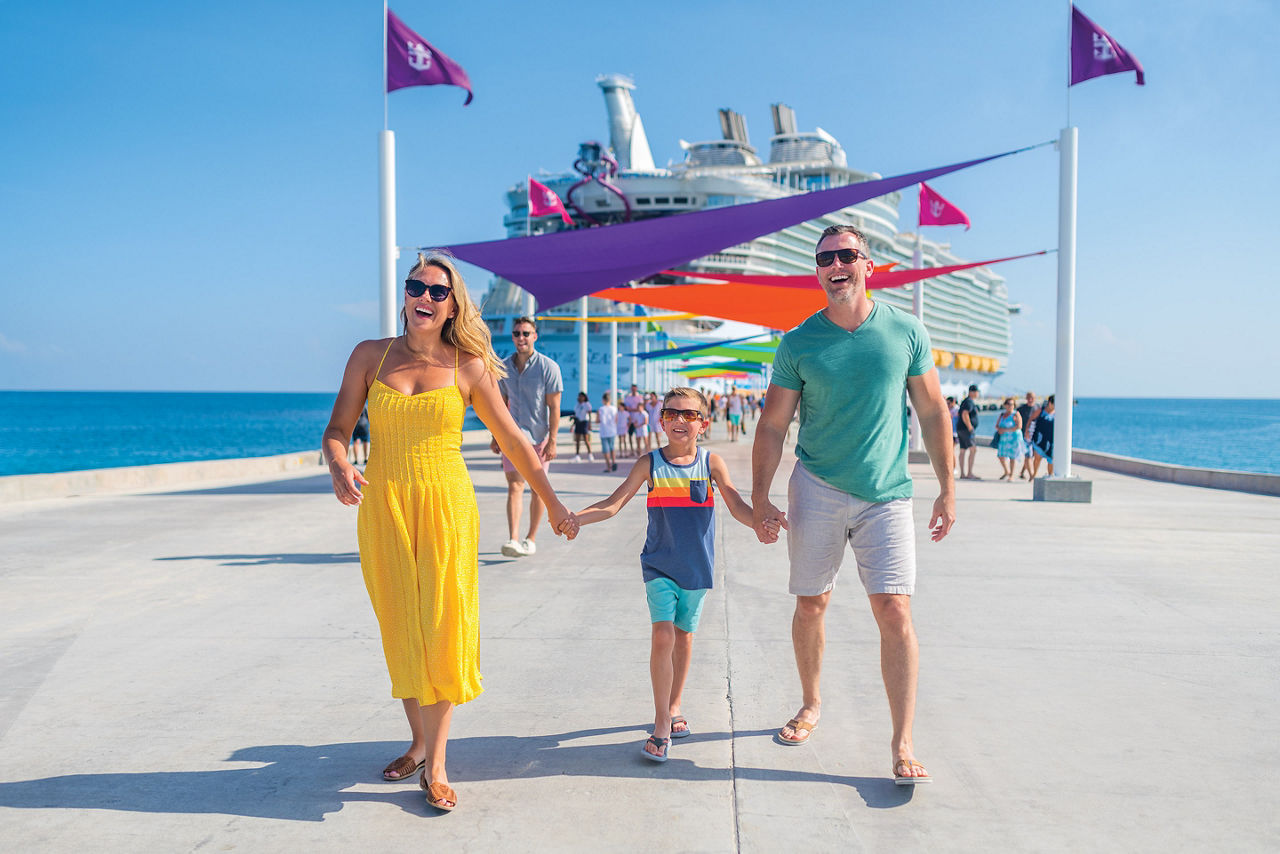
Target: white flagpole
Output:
[(917, 307), (387, 251), (528, 231), (582, 347), (1063, 375)]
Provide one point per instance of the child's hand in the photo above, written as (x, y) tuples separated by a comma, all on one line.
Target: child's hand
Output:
[(569, 527)]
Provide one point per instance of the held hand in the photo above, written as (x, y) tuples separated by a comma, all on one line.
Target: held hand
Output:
[(549, 449), (569, 527), (493, 446), (562, 521), (345, 479), (767, 520), (944, 516)]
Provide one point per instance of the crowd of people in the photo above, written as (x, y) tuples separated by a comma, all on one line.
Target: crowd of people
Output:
[(1023, 433)]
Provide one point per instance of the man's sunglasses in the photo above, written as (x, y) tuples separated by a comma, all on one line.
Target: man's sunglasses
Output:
[(689, 415), (521, 333), (846, 256), (417, 287)]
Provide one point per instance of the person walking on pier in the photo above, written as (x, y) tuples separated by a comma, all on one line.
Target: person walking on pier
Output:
[(966, 426), (1027, 410), (679, 550), (418, 520), (845, 368), (532, 389)]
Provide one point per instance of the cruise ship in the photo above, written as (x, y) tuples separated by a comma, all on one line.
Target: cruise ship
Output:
[(967, 313)]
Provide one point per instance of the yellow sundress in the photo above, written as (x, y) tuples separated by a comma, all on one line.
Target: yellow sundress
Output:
[(417, 527)]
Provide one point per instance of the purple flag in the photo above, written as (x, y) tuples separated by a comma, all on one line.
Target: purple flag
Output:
[(412, 61), (1094, 53), (564, 265)]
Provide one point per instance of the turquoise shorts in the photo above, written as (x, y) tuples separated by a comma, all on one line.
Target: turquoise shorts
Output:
[(669, 602)]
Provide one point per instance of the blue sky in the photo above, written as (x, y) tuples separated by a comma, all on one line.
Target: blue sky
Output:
[(190, 190)]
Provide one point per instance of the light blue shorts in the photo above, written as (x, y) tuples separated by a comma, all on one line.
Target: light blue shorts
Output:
[(606, 444), (669, 602)]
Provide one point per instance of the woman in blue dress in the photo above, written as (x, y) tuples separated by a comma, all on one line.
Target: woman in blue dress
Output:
[(1009, 439)]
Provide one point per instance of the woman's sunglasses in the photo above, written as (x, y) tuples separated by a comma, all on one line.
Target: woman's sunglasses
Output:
[(417, 287), (846, 256), (689, 415)]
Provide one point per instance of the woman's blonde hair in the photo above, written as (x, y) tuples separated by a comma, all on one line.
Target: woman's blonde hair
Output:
[(466, 330)]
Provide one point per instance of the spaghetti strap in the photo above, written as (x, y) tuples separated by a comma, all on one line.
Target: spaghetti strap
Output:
[(380, 361), (455, 364)]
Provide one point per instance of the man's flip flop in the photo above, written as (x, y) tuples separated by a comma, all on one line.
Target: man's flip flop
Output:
[(661, 744), (680, 733), (799, 727), (403, 768), (908, 780)]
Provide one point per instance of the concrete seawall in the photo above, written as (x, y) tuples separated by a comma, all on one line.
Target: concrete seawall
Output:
[(27, 487), (1237, 481), (66, 484)]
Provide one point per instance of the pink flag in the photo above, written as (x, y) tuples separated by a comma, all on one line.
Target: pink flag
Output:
[(1094, 53), (544, 202), (411, 61), (935, 210)]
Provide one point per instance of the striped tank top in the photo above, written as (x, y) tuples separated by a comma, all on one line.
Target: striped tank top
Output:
[(681, 541)]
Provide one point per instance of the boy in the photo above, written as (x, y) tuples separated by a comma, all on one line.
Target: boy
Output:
[(678, 557), (608, 416)]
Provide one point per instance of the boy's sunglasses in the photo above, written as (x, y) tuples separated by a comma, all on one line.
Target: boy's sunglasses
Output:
[(689, 415), (846, 256), (417, 287)]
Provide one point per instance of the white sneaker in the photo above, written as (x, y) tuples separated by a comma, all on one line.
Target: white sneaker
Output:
[(528, 547), (577, 458), (591, 458), (512, 548)]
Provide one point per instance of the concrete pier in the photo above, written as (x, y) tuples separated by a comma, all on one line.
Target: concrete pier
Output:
[(199, 669)]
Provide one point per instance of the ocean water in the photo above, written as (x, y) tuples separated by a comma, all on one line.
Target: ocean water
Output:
[(52, 431)]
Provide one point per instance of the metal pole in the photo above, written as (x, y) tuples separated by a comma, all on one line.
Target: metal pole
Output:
[(387, 251), (1064, 380), (582, 346), (917, 307), (613, 362)]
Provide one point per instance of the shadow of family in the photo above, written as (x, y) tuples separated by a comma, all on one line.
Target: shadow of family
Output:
[(307, 782)]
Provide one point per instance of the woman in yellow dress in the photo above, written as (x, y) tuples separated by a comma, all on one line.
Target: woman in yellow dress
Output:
[(418, 520)]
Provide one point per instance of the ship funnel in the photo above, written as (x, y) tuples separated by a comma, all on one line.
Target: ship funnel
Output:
[(626, 131), (734, 126), (784, 119)]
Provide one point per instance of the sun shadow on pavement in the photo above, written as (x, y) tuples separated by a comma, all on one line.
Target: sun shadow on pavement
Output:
[(274, 559), (307, 782)]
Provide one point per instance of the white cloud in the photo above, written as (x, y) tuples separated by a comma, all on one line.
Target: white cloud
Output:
[(367, 310), (9, 345)]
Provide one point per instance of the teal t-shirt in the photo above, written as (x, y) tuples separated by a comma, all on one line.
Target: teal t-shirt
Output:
[(853, 413)]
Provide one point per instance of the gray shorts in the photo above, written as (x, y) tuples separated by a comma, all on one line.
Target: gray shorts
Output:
[(823, 519)]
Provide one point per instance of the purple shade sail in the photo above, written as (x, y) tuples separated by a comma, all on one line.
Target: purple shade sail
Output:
[(412, 61), (563, 266), (1095, 53)]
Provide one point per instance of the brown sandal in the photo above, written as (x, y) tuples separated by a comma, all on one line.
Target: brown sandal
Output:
[(402, 769), (800, 727), (437, 793)]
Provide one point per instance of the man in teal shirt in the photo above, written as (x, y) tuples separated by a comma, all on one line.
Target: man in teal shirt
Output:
[(845, 369)]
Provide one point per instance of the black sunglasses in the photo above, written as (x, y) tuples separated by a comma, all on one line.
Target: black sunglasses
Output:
[(417, 287), (521, 333), (846, 256), (689, 415)]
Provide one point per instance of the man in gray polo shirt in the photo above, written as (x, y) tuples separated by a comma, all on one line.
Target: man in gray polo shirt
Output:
[(532, 391)]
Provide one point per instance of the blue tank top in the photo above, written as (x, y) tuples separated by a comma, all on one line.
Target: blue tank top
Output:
[(681, 541)]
